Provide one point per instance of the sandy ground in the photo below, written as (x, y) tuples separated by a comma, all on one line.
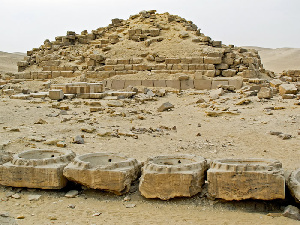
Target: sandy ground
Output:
[(243, 134), (8, 61)]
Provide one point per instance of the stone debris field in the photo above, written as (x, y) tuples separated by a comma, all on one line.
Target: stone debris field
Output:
[(148, 120)]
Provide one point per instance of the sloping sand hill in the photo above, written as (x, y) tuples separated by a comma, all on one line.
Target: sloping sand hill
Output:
[(8, 61)]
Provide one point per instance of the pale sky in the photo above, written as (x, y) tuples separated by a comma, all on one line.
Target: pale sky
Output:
[(25, 24)]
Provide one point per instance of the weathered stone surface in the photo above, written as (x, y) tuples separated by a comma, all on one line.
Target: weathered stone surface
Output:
[(56, 94), (105, 171), (36, 169), (265, 93), (292, 212), (238, 179), (294, 184), (165, 106), (275, 83), (167, 177), (287, 89)]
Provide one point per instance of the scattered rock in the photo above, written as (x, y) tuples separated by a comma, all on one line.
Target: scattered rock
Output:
[(5, 214), (88, 129), (71, 206), (200, 100), (115, 104), (285, 136), (165, 106), (16, 196), (130, 205), (71, 194), (34, 197), (265, 93), (275, 133), (61, 144), (292, 212), (287, 89), (78, 140), (41, 121), (52, 141), (245, 101), (97, 214), (127, 199), (20, 217), (184, 35)]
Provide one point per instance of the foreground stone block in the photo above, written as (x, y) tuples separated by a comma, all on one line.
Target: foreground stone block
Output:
[(265, 92), (105, 171), (294, 184), (167, 177), (56, 94), (287, 89), (238, 179), (36, 169)]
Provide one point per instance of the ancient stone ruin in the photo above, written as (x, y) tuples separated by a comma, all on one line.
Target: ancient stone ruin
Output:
[(148, 49), (294, 184), (167, 177), (36, 169), (105, 171), (237, 179)]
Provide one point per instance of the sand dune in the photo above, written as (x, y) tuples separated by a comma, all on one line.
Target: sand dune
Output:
[(279, 59), (8, 61)]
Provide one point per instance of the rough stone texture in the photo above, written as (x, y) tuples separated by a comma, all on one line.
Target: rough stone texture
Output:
[(105, 171), (294, 184), (238, 179), (165, 106), (265, 93), (56, 94), (167, 177), (292, 212), (36, 169), (287, 89)]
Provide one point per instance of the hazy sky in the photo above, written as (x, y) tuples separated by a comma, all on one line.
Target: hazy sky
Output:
[(25, 24)]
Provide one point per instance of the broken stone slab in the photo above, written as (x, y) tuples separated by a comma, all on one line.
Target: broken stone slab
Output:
[(294, 184), (265, 93), (106, 171), (20, 96), (56, 94), (168, 177), (165, 106), (238, 179), (36, 169), (287, 89), (291, 212), (115, 104)]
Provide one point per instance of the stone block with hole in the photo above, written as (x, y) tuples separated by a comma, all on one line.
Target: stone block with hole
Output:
[(238, 179), (168, 177), (36, 169), (106, 171)]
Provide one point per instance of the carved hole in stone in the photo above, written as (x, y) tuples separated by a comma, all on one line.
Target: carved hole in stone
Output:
[(109, 160), (179, 161), (52, 156)]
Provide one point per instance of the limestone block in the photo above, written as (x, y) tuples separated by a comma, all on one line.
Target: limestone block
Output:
[(105, 171), (216, 82), (159, 83), (238, 179), (186, 84), (96, 87), (265, 92), (212, 60), (222, 66), (275, 83), (118, 84), (109, 67), (136, 60), (173, 84), (132, 83), (187, 60), (20, 96), (66, 73), (294, 184), (148, 83), (56, 74), (229, 73), (168, 177), (56, 94), (36, 169), (111, 61), (172, 61), (287, 89), (237, 82), (202, 84)]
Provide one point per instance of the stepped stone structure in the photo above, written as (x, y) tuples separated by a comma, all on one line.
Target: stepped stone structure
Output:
[(238, 179), (148, 43), (294, 184), (36, 169), (167, 177), (105, 171)]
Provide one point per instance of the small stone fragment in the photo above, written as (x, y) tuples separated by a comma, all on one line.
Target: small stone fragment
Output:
[(265, 93), (71, 194), (285, 136), (127, 199), (61, 144), (275, 133), (115, 103), (97, 214), (130, 205), (41, 121), (34, 197), (291, 212), (165, 106), (20, 217), (16, 196), (78, 140)]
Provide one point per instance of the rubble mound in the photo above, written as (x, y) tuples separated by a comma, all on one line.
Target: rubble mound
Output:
[(146, 44)]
